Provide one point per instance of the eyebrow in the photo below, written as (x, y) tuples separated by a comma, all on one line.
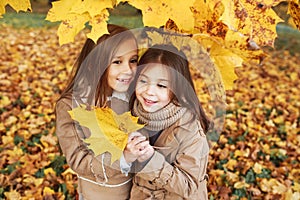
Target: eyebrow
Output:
[(160, 79), (119, 56)]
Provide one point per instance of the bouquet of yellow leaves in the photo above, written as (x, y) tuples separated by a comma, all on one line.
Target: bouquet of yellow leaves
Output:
[(109, 131)]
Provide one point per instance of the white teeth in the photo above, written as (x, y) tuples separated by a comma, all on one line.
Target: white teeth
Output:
[(149, 101), (123, 80)]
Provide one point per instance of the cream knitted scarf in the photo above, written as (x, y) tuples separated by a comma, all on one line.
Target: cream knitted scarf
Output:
[(160, 119)]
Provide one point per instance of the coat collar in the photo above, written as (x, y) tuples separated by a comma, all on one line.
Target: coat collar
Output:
[(167, 142)]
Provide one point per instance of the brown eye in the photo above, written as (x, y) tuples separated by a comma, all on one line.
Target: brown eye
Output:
[(161, 86), (117, 62), (133, 61), (142, 81)]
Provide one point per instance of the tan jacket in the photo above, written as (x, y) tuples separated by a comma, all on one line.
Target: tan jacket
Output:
[(179, 170), (83, 161)]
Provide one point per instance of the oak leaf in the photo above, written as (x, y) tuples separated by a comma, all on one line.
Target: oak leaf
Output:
[(109, 131)]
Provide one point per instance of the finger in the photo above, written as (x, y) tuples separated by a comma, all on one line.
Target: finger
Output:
[(142, 145), (146, 150), (137, 145), (137, 140), (133, 134)]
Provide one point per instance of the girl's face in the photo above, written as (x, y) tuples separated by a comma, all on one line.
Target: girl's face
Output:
[(153, 87), (123, 66)]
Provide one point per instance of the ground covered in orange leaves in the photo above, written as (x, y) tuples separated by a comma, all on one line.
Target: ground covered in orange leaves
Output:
[(256, 157)]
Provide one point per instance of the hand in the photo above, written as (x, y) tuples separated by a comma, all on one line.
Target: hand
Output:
[(135, 146), (147, 153)]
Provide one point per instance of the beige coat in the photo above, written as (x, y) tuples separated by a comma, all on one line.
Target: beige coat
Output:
[(179, 170), (83, 161)]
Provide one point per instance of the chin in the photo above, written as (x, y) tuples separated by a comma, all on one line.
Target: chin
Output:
[(150, 110), (121, 89)]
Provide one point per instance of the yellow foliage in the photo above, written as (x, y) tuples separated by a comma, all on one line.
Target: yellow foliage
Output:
[(294, 11), (4, 101), (257, 168), (260, 94), (109, 131), (74, 15), (255, 20), (225, 60), (289, 195), (206, 15), (70, 27), (157, 12), (48, 191), (98, 23), (231, 164), (17, 5), (240, 27), (13, 195), (60, 10), (240, 184)]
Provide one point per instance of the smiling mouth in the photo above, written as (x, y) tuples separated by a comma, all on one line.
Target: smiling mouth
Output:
[(149, 102), (124, 80)]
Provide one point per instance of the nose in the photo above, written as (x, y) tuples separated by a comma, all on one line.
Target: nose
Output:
[(150, 89), (128, 68)]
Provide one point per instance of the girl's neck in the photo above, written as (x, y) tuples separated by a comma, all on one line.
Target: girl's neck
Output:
[(119, 95)]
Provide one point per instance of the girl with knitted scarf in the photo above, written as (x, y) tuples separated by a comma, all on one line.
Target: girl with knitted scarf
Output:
[(173, 166)]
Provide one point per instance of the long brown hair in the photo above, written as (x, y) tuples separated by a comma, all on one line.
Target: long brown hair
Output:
[(89, 74), (182, 86)]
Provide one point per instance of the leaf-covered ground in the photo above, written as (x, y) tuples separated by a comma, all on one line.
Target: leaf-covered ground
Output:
[(257, 156)]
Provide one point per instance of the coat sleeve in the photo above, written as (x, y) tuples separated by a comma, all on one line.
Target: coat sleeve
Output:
[(184, 175), (78, 156)]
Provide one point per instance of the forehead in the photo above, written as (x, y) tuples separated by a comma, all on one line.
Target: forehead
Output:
[(126, 47), (156, 71)]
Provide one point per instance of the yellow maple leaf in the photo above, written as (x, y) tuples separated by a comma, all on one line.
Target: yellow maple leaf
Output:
[(98, 23), (206, 15), (93, 7), (246, 48), (253, 19), (109, 131), (178, 11), (294, 11), (60, 10), (224, 59), (75, 14), (69, 28), (2, 8), (17, 5)]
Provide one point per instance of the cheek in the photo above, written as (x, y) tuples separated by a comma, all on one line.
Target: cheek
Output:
[(138, 88), (167, 96), (138, 91), (111, 73)]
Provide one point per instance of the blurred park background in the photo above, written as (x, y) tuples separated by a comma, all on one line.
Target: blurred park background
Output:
[(256, 157)]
